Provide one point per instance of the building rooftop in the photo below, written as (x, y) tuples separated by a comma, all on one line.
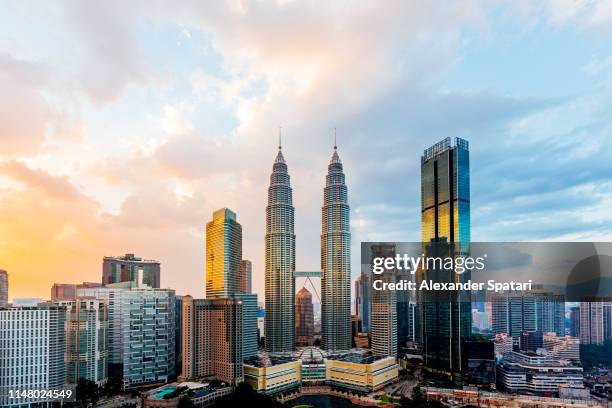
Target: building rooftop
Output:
[(357, 356)]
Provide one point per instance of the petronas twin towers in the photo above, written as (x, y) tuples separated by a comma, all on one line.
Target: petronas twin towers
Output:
[(280, 261)]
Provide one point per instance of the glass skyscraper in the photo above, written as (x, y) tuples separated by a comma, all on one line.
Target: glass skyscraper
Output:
[(335, 260), (280, 261), (223, 254), (445, 231)]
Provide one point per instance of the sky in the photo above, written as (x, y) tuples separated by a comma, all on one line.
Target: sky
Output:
[(123, 125)]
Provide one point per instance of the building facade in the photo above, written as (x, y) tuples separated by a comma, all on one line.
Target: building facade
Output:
[(445, 231), (279, 261), (32, 348), (383, 308), (130, 268), (335, 260), (86, 340), (304, 318), (246, 272), (562, 347), (223, 254), (212, 335), (3, 288), (591, 322), (363, 299)]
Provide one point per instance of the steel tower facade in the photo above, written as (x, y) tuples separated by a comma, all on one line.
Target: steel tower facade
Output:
[(280, 261), (335, 261)]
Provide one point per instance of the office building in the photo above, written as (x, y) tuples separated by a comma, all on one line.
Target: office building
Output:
[(516, 312), (533, 374), (304, 318), (86, 340), (502, 344), (363, 299), (383, 308), (212, 339), (32, 348), (361, 372), (562, 347), (3, 288), (445, 231), (280, 261), (223, 254), (335, 260), (591, 322), (574, 321), (140, 331), (246, 272), (130, 268), (178, 333), (607, 320), (68, 291), (271, 374), (249, 324)]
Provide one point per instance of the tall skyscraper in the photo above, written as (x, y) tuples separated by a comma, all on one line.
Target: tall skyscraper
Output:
[(280, 261), (304, 318), (591, 323), (212, 338), (32, 347), (335, 260), (63, 291), (445, 231), (383, 313), (86, 340), (223, 254), (363, 292), (574, 321), (3, 288), (246, 270), (130, 268)]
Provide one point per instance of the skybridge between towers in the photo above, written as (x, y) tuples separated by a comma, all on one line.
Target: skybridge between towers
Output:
[(308, 275)]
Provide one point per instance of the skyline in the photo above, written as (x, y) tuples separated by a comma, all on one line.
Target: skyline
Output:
[(107, 150)]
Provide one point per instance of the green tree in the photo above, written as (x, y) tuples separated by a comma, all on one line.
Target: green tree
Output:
[(185, 402)]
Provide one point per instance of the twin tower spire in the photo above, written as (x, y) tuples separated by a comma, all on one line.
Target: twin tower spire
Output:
[(280, 259)]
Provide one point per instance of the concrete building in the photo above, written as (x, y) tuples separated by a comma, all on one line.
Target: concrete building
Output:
[(130, 268), (533, 374), (304, 318), (3, 288), (32, 348), (246, 272), (212, 339), (86, 340), (279, 319)]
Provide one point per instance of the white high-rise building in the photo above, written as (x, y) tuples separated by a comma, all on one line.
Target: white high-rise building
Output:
[(32, 348), (591, 322)]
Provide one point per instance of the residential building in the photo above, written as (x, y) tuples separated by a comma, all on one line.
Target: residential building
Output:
[(562, 347), (591, 322), (383, 308), (574, 317), (212, 335), (86, 340), (363, 299), (502, 344), (32, 349)]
